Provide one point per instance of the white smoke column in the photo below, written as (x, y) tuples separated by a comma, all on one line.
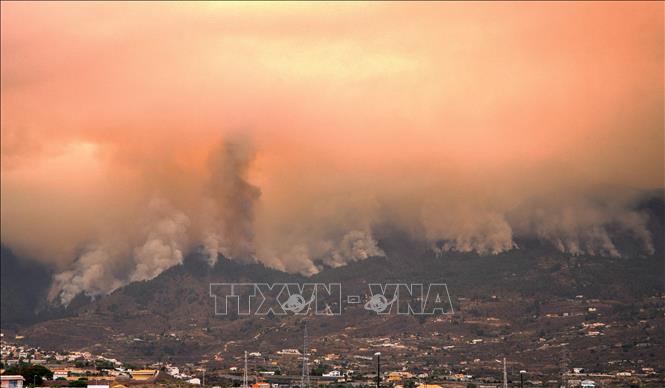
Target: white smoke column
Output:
[(212, 244), (93, 274), (166, 238)]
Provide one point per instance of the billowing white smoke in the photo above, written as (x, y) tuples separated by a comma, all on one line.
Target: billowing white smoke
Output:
[(580, 227), (575, 225), (355, 246), (109, 264), (213, 246), (464, 228), (166, 238), (226, 223), (303, 257), (93, 274), (296, 260), (333, 231)]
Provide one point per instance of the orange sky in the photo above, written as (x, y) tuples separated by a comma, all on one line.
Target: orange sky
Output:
[(106, 105)]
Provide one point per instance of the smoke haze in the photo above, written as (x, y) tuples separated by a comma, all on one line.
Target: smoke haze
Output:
[(285, 133)]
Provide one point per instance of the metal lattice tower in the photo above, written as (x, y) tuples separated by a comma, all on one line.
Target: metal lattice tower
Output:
[(304, 381), (563, 366), (244, 376), (505, 374)]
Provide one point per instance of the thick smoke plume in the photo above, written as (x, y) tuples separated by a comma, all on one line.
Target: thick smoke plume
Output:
[(463, 228), (233, 201), (108, 264), (585, 226)]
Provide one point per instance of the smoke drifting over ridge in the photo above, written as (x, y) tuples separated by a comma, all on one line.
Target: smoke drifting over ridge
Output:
[(469, 127)]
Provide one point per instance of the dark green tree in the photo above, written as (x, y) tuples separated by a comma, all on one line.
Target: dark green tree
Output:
[(31, 373)]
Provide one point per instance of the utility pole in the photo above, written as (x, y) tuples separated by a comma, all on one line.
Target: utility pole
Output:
[(505, 374), (203, 383), (378, 369)]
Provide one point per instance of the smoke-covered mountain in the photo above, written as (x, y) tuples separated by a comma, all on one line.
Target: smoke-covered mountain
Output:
[(143, 317)]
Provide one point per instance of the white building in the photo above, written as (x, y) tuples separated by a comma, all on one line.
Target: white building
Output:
[(173, 370), (11, 381), (289, 352)]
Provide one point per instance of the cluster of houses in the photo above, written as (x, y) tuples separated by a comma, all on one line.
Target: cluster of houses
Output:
[(111, 373), (68, 367)]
